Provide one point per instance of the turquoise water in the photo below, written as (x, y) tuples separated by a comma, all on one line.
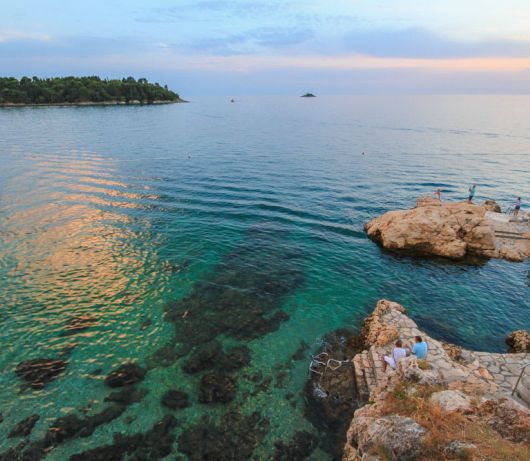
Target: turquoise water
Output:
[(120, 212)]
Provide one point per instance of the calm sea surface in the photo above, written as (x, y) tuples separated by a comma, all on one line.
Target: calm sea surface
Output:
[(222, 215)]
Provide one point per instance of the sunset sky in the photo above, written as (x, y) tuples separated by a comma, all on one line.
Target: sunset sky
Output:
[(276, 46)]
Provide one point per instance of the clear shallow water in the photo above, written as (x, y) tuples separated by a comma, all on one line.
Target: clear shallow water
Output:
[(118, 211)]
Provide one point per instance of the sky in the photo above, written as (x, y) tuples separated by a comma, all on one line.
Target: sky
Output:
[(235, 47)]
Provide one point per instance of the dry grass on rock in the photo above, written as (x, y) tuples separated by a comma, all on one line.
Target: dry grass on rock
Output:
[(444, 428)]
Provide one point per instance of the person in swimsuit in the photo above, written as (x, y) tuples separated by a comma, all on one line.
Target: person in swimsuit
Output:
[(438, 194), (517, 206)]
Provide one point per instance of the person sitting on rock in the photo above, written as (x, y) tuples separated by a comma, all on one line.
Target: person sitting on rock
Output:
[(420, 348), (398, 353)]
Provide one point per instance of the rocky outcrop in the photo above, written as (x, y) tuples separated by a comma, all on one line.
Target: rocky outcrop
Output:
[(492, 205), (451, 400), (419, 409), (518, 341), (450, 230)]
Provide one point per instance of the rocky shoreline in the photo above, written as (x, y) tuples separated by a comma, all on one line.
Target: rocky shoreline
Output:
[(93, 103), (399, 411), (452, 230)]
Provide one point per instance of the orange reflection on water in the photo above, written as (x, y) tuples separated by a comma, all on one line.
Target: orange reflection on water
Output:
[(68, 254)]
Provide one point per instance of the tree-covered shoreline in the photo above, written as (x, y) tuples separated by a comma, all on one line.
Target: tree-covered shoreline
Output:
[(82, 90)]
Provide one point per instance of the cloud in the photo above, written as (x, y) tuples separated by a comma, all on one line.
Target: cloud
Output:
[(213, 9), (13, 35), (28, 47), (421, 43), (259, 40)]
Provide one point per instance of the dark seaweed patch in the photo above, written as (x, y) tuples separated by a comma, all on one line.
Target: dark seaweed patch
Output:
[(39, 372), (233, 439), (217, 387), (24, 427), (175, 399), (298, 449), (152, 445), (243, 296)]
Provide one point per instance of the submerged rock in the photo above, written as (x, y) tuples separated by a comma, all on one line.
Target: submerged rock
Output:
[(24, 427), (243, 297), (175, 399), (79, 323), (203, 357), (217, 387), (125, 375), (298, 449), (237, 358), (300, 353), (518, 341), (71, 425), (152, 445), (127, 396), (330, 398), (39, 372), (233, 439)]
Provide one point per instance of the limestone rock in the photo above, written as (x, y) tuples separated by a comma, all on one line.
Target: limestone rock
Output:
[(409, 370), (508, 418), (455, 448), (427, 201), (451, 400), (378, 333), (400, 435), (518, 341), (451, 230), (492, 205)]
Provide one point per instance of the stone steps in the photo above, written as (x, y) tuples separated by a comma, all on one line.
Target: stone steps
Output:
[(377, 365), (362, 387), (368, 372)]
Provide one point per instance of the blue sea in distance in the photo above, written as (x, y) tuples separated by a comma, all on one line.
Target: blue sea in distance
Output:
[(117, 213)]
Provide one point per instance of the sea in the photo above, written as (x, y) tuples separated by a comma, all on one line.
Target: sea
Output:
[(143, 233)]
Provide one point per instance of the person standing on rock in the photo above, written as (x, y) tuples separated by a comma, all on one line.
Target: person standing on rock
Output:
[(517, 206), (471, 193), (438, 194)]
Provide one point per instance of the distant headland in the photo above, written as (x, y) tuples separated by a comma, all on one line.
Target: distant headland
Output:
[(308, 95), (91, 90)]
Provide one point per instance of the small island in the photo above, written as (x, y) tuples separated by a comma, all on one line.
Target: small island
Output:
[(82, 91), (308, 95)]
